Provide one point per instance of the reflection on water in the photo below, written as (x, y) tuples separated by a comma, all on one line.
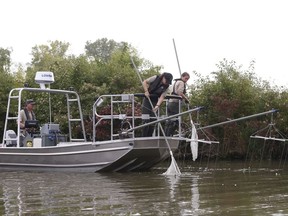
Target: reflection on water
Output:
[(225, 189)]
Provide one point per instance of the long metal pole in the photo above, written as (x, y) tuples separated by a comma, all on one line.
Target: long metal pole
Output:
[(173, 165), (177, 57), (138, 73), (175, 49), (238, 119), (164, 119)]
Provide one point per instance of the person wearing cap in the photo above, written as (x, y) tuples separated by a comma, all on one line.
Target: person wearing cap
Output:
[(26, 114), (179, 89), (155, 88)]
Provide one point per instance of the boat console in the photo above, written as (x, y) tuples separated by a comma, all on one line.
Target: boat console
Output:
[(49, 135)]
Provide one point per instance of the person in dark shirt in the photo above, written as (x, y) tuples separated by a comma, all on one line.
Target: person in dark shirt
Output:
[(155, 88)]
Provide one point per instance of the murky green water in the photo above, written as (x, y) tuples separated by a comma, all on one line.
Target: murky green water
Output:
[(214, 189)]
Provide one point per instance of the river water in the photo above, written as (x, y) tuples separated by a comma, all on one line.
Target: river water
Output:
[(222, 188)]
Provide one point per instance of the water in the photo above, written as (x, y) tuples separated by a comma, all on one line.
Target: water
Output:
[(216, 189)]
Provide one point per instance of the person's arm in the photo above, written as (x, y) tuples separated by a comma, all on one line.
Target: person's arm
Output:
[(159, 102), (184, 97), (146, 84), (180, 91), (22, 119), (145, 87)]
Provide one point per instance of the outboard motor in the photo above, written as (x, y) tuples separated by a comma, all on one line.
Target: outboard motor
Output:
[(10, 134)]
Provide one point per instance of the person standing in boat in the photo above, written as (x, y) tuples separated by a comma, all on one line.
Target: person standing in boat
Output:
[(179, 89), (27, 114), (156, 88)]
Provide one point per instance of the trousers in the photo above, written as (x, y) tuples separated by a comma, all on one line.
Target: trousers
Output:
[(147, 109)]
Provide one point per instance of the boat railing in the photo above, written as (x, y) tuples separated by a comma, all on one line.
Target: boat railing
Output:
[(15, 105), (123, 112)]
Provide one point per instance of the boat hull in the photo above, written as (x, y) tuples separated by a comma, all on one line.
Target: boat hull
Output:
[(138, 154)]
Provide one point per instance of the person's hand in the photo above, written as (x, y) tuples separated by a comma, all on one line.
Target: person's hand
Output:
[(186, 100), (155, 108), (147, 93)]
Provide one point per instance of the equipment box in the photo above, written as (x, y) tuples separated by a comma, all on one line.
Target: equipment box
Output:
[(53, 139), (50, 128)]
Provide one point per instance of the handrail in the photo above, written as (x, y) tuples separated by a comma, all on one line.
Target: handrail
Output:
[(16, 93), (168, 96), (116, 99), (163, 119)]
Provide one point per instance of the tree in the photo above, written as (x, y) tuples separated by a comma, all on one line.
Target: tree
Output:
[(5, 60), (230, 94), (6, 81), (102, 49), (109, 72)]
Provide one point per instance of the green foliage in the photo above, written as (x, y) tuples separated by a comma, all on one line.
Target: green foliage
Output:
[(6, 81), (5, 60), (230, 92), (102, 49), (104, 69), (233, 93)]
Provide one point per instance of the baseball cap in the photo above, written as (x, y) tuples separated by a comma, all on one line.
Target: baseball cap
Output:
[(30, 101), (168, 77)]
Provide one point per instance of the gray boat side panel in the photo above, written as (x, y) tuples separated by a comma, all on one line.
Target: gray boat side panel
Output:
[(137, 160), (145, 154), (85, 157), (121, 155), (67, 147), (64, 159)]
